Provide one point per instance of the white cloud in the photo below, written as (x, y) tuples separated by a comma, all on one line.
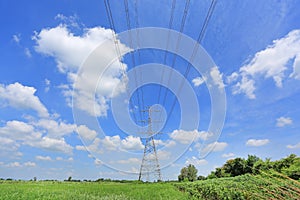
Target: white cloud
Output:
[(296, 146), (80, 148), (217, 77), (27, 134), (86, 133), (55, 129), (228, 155), (115, 143), (233, 77), (14, 164), (47, 83), (43, 158), (52, 144), (198, 81), (27, 53), (257, 143), (132, 143), (168, 143), (70, 51), (245, 86), (214, 147), (70, 159), (271, 62), (195, 161), (58, 158), (186, 137), (22, 97), (283, 121), (29, 164), (130, 161), (17, 38), (17, 130), (296, 67)]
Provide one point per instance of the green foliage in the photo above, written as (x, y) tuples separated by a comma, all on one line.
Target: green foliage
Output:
[(188, 173), (289, 166), (270, 185)]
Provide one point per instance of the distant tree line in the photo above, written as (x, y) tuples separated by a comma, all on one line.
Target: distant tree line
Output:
[(289, 166)]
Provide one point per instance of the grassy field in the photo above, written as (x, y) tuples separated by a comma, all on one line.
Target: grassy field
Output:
[(263, 186), (88, 190)]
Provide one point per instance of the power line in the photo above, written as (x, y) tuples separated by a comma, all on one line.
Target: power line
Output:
[(117, 47), (167, 46), (138, 45), (131, 53), (185, 12), (195, 50)]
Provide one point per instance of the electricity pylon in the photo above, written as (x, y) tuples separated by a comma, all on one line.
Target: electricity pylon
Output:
[(150, 164)]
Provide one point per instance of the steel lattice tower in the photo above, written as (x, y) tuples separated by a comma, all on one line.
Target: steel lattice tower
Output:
[(150, 164)]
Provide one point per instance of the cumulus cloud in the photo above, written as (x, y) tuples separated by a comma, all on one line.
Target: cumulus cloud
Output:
[(29, 164), (115, 142), (283, 121), (228, 155), (43, 158), (186, 137), (55, 129), (217, 77), (27, 53), (198, 81), (86, 133), (70, 51), (272, 62), (47, 83), (195, 161), (22, 97), (17, 38), (132, 143), (296, 146), (214, 147), (27, 134), (257, 143), (130, 161)]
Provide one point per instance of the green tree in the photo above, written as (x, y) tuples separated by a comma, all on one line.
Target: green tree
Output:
[(235, 167), (250, 162), (188, 173)]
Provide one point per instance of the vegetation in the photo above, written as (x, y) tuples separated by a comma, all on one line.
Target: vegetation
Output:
[(188, 173), (251, 178), (289, 166), (270, 185), (88, 190)]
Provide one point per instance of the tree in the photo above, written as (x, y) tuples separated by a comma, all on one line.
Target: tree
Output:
[(251, 160), (188, 173), (201, 177), (235, 167), (70, 178)]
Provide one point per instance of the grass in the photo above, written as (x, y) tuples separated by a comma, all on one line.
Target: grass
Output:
[(88, 190), (270, 185)]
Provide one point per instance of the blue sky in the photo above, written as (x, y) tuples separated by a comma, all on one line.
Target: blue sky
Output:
[(45, 46)]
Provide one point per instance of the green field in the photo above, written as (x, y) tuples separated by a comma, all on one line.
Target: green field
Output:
[(88, 190), (263, 186)]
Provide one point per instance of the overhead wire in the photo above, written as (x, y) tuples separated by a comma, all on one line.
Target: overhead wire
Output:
[(185, 12), (167, 47), (137, 24), (195, 50), (118, 51), (132, 54)]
